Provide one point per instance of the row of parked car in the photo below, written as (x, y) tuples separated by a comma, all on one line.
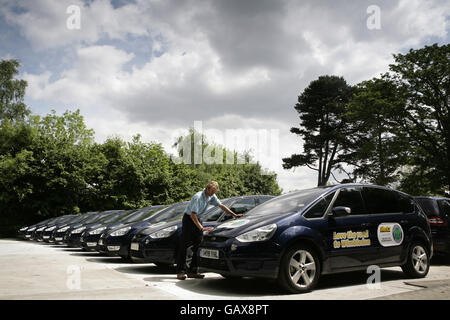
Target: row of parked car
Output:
[(293, 238)]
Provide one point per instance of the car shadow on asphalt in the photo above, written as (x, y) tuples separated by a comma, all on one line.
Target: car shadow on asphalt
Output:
[(148, 269), (252, 287), (357, 278), (102, 259), (72, 249), (244, 287), (440, 260), (86, 254)]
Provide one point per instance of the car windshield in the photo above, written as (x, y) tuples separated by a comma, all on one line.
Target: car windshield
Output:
[(77, 219), (92, 218), (170, 213), (115, 217), (429, 206), (291, 202), (141, 214), (216, 212)]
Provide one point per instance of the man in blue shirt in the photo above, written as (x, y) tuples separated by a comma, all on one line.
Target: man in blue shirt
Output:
[(192, 230)]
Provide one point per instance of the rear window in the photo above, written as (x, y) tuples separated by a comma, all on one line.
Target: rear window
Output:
[(291, 202), (429, 206), (380, 200)]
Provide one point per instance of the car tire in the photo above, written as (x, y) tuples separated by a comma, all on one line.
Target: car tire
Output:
[(418, 263), (299, 269)]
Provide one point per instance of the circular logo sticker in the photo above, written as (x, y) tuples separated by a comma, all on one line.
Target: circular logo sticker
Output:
[(397, 233), (390, 234)]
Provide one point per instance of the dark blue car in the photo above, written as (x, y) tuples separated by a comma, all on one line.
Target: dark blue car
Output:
[(73, 236), (61, 231), (118, 241), (296, 237), (438, 211), (161, 245), (39, 232), (91, 236), (27, 232)]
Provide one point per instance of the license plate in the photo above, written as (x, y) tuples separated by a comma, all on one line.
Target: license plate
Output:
[(58, 239), (135, 246), (209, 254), (27, 236), (100, 242), (46, 237), (92, 244)]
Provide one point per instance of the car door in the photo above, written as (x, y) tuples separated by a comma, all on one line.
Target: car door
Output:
[(350, 237), (392, 214)]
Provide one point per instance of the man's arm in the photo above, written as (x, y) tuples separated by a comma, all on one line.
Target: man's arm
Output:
[(197, 222), (225, 208)]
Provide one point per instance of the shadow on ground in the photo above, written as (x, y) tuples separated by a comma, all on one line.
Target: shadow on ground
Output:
[(102, 259), (148, 269), (251, 287)]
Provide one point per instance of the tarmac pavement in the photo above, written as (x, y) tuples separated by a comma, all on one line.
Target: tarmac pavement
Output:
[(31, 270)]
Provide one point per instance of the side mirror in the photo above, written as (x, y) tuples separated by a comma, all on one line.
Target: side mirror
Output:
[(341, 211)]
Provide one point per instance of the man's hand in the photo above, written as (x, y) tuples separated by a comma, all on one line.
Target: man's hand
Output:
[(207, 228), (227, 210)]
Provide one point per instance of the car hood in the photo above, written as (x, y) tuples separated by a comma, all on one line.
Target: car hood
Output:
[(236, 227)]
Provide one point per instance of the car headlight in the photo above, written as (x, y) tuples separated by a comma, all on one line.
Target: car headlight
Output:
[(51, 228), (164, 233), (40, 229), (79, 230), (23, 229), (120, 232), (63, 229), (97, 231), (32, 229), (260, 234)]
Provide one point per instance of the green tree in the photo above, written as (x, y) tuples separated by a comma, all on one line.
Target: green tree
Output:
[(322, 127), (12, 92), (43, 165), (423, 75), (234, 179), (376, 149)]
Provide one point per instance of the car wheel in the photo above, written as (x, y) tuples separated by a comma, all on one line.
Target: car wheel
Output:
[(418, 263), (299, 269)]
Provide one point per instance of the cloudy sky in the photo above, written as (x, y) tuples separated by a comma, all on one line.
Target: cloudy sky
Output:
[(155, 66)]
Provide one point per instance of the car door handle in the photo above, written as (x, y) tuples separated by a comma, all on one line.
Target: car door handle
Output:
[(404, 222), (367, 224)]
